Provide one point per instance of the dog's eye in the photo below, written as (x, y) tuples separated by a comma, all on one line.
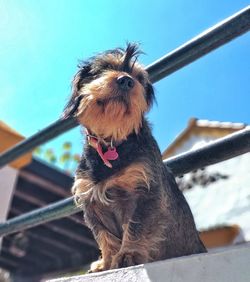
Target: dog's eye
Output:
[(96, 75), (99, 103), (108, 67), (104, 67)]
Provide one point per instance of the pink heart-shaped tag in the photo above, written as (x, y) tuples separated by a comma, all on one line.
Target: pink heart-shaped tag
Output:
[(111, 154)]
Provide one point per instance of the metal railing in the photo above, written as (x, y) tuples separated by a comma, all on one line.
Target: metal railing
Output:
[(220, 150)]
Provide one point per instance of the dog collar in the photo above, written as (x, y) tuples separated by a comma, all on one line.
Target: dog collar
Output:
[(109, 155)]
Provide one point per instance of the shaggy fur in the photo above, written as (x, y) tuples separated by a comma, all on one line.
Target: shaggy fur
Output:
[(133, 207)]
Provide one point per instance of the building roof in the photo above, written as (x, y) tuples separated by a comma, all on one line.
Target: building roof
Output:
[(9, 137), (201, 128)]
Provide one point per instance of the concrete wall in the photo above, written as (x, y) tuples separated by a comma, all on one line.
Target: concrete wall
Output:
[(8, 176), (229, 265)]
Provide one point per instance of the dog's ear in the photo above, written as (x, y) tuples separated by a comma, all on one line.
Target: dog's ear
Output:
[(75, 98), (150, 95)]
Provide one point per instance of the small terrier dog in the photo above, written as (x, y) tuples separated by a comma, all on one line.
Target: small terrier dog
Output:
[(130, 200)]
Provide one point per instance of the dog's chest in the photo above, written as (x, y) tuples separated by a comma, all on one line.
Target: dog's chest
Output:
[(112, 202), (114, 213)]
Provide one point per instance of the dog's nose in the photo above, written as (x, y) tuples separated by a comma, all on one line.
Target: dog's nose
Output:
[(125, 82)]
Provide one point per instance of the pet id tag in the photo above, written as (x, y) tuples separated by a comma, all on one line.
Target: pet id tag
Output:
[(111, 154)]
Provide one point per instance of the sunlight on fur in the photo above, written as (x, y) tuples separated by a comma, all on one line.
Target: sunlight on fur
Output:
[(106, 112)]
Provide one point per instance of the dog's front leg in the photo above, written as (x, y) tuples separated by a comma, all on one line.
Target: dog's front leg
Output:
[(109, 244), (142, 235)]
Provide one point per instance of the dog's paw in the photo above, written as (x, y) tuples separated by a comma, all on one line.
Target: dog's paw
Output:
[(125, 259), (97, 266), (81, 189)]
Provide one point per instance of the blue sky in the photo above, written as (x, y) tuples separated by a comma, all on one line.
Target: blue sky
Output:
[(42, 41)]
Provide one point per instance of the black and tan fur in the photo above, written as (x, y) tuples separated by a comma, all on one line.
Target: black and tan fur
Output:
[(134, 209)]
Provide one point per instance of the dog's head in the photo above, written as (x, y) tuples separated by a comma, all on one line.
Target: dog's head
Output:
[(114, 92)]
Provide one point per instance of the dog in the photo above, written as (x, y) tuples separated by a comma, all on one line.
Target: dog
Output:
[(130, 200)]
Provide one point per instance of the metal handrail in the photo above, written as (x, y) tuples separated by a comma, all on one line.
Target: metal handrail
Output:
[(202, 44)]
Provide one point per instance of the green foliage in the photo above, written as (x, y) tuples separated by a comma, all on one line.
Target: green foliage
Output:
[(65, 159), (38, 151), (53, 159), (67, 146), (49, 153)]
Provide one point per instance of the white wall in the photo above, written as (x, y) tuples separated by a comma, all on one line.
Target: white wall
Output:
[(8, 178), (193, 142)]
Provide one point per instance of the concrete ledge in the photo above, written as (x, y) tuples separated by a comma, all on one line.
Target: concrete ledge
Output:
[(230, 265)]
